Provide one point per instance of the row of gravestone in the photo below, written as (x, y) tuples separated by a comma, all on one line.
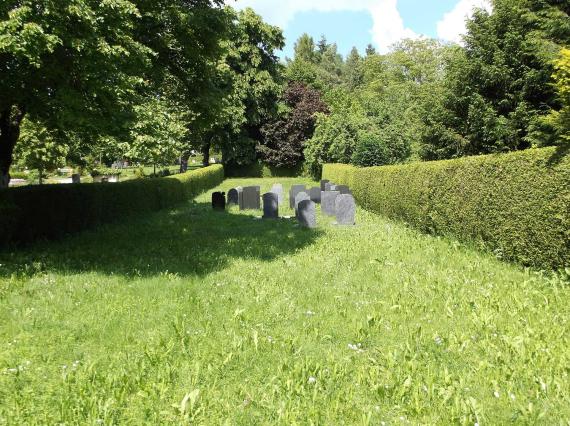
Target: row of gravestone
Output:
[(335, 200)]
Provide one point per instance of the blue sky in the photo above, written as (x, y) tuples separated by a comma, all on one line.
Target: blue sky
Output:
[(360, 22)]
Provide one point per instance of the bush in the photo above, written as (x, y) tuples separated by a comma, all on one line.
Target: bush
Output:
[(514, 204), (261, 170), (52, 211)]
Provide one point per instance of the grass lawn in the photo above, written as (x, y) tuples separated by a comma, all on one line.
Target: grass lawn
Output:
[(190, 315)]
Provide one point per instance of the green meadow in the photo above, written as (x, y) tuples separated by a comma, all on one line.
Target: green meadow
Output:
[(195, 316)]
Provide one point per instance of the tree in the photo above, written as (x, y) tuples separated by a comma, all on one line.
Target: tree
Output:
[(39, 149), (370, 50), (353, 69), (284, 139), (305, 49)]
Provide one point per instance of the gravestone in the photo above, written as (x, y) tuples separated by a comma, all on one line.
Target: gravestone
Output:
[(76, 178), (219, 200), (315, 194), (251, 198), (323, 182), (345, 207), (270, 206), (343, 189), (295, 189), (278, 189), (301, 196), (104, 179), (328, 186), (333, 188), (328, 199), (307, 214), (233, 196)]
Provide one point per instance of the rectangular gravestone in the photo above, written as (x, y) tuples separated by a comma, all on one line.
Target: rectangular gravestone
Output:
[(301, 196), (270, 206), (295, 189), (278, 189), (345, 207), (328, 200), (315, 194), (328, 186), (323, 182), (251, 198), (343, 189), (219, 201), (76, 178), (307, 214)]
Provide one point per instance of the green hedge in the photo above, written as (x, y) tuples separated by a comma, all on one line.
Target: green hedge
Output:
[(515, 204), (260, 170), (51, 211)]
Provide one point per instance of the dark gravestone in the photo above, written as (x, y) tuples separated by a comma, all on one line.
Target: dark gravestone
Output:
[(307, 214), (315, 194), (75, 178), (323, 182), (328, 200), (345, 207), (233, 196), (343, 189), (301, 196), (295, 189), (219, 200), (251, 198), (270, 206)]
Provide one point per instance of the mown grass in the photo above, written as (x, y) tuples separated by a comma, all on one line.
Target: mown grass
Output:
[(219, 318)]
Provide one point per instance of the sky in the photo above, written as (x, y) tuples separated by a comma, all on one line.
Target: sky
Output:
[(360, 22)]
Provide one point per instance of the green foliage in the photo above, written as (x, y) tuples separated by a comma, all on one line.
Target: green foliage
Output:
[(53, 211), (259, 169), (516, 204), (165, 316), (39, 149)]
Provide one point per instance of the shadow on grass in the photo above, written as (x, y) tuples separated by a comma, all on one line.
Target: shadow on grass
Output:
[(190, 240)]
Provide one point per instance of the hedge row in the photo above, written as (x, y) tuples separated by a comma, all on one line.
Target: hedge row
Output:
[(51, 211), (517, 204)]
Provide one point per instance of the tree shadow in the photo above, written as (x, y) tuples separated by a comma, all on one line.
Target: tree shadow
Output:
[(559, 154), (192, 240)]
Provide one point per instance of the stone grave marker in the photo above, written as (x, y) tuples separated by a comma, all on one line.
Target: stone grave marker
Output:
[(328, 186), (301, 196), (233, 196), (75, 178), (270, 206), (343, 189), (295, 189), (219, 200), (328, 202), (345, 207), (315, 194), (323, 182), (307, 214), (278, 189), (251, 198)]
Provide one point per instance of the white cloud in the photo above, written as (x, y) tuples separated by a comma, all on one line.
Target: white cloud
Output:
[(452, 27), (388, 25)]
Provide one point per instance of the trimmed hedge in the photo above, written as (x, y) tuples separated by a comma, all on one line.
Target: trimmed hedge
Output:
[(260, 170), (516, 204), (51, 211)]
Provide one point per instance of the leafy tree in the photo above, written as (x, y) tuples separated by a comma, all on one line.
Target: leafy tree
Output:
[(284, 139), (353, 69), (560, 120), (370, 50), (39, 149), (305, 49)]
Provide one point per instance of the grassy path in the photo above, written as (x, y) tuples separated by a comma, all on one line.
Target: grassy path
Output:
[(195, 316)]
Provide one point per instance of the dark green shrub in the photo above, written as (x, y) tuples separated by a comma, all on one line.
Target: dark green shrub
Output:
[(516, 205), (261, 170), (51, 211)]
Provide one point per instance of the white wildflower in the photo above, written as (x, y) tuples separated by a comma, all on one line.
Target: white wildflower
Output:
[(312, 380), (496, 394)]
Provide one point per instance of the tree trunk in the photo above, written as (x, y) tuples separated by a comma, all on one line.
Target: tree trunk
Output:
[(184, 162), (10, 120), (206, 153)]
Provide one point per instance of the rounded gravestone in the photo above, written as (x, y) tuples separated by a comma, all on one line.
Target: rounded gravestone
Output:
[(345, 208), (307, 214), (233, 196), (270, 206), (301, 196)]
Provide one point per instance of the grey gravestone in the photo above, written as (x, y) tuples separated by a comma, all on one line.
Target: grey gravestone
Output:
[(315, 194), (278, 189), (333, 188), (345, 207), (328, 186), (219, 201), (233, 196), (75, 178), (328, 199), (323, 182), (251, 198), (270, 206), (301, 196), (343, 189), (295, 189), (307, 214)]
